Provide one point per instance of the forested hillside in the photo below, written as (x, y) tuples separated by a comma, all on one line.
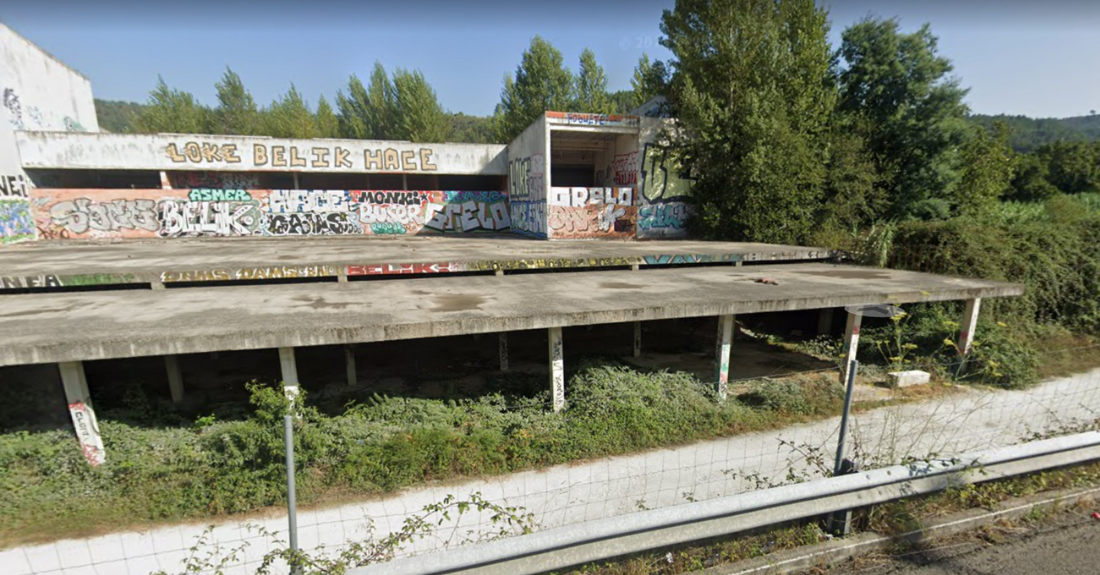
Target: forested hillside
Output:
[(1027, 134)]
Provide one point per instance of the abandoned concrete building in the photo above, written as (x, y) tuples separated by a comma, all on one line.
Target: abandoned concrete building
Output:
[(171, 248)]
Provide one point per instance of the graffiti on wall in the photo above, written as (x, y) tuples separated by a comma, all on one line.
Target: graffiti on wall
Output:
[(87, 432), (14, 108), (622, 171), (270, 155), (30, 117), (665, 185), (591, 213), (16, 223), (218, 180), (65, 214), (578, 119), (527, 194)]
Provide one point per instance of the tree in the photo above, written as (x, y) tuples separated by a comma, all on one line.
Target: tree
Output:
[(353, 110), (289, 117), (911, 111), (1030, 182), (541, 83), (236, 112), (852, 198), (987, 170), (170, 110), (327, 124), (419, 116), (650, 79), (382, 106), (753, 95), (591, 95), (1074, 166)]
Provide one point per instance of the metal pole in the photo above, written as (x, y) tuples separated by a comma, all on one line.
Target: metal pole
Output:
[(292, 499), (840, 522), (852, 367)]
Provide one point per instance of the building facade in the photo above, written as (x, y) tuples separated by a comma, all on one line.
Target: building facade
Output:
[(568, 176)]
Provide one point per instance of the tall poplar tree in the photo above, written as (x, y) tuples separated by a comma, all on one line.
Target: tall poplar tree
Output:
[(591, 87), (541, 83), (420, 118), (236, 112)]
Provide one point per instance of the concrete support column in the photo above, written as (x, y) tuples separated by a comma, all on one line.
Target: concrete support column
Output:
[(824, 321), (722, 354), (969, 324), (851, 343), (165, 183), (80, 409), (290, 372), (295, 174), (349, 361), (175, 378), (502, 341), (637, 339), (342, 275), (557, 369), (498, 273), (404, 181)]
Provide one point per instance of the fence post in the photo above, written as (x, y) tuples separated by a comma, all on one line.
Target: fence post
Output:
[(291, 496), (840, 522)]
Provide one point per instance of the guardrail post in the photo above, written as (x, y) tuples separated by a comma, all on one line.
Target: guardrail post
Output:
[(839, 523)]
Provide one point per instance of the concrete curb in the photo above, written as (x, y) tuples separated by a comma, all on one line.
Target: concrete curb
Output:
[(836, 551)]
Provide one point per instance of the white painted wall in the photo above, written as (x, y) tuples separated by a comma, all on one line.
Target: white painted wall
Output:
[(252, 153), (37, 92)]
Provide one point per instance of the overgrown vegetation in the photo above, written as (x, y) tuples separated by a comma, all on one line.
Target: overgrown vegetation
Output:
[(213, 467)]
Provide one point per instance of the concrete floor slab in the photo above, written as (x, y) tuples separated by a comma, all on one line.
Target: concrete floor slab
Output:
[(56, 327), (60, 264)]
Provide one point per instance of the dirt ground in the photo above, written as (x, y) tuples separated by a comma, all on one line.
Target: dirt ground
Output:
[(1066, 542)]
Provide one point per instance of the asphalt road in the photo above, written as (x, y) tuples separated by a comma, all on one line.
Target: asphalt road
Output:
[(1067, 543)]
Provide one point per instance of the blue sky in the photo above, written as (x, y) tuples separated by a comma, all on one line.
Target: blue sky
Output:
[(1036, 58)]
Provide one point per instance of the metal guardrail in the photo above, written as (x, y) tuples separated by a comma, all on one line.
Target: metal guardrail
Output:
[(615, 536)]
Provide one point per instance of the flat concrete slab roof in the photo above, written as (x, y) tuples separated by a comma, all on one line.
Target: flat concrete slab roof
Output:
[(55, 327), (59, 264)]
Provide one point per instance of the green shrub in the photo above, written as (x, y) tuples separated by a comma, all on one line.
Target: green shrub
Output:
[(210, 467)]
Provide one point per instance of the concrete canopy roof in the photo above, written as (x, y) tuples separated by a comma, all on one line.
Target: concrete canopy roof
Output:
[(159, 260), (44, 328)]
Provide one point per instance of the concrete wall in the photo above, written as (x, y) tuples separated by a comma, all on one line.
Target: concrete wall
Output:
[(250, 153), (663, 185), (62, 214), (38, 93), (529, 178)]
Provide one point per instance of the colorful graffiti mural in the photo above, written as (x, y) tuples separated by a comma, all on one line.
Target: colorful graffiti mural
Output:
[(591, 213), (70, 214), (662, 210), (16, 223)]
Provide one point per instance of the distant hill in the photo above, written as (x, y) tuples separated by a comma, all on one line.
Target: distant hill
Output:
[(1029, 133), (116, 116)]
